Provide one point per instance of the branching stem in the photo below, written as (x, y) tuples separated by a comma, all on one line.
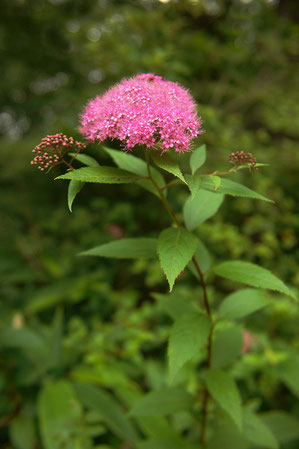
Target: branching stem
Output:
[(205, 398)]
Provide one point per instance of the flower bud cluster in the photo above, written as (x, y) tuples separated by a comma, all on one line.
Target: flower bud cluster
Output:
[(52, 149), (240, 158)]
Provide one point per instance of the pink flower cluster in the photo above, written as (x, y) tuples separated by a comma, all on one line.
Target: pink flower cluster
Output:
[(52, 149), (145, 110)]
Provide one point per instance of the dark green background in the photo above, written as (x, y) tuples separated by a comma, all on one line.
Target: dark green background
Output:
[(240, 61)]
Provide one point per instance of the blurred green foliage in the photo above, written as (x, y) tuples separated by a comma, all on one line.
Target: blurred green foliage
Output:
[(69, 319)]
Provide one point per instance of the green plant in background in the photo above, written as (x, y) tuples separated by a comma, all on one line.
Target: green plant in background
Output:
[(205, 339), (93, 320)]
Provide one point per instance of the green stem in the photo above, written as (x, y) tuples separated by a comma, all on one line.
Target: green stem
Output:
[(205, 398)]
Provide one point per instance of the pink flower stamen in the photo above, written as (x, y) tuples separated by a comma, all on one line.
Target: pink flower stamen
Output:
[(144, 110)]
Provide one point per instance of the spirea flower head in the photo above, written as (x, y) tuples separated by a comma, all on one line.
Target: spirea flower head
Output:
[(145, 110), (53, 148)]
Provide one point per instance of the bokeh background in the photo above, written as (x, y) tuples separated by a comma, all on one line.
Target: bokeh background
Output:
[(65, 317)]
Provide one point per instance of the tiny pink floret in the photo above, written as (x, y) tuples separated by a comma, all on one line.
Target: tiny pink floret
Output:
[(144, 110)]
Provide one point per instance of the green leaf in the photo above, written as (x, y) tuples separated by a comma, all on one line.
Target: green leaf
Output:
[(176, 247), (33, 345), (165, 162), (194, 184), (138, 166), (257, 432), (289, 374), (197, 158), (202, 257), (242, 303), (175, 304), (226, 434), (109, 410), (128, 162), (224, 391), (164, 401), (103, 175), (203, 206), (22, 432), (251, 274), (284, 426), (227, 346), (233, 188), (166, 444), (86, 159), (59, 415), (73, 190), (216, 181), (187, 337), (132, 248)]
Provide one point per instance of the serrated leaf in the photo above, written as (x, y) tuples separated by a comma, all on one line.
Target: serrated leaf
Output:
[(194, 184), (188, 336), (86, 159), (251, 274), (233, 188), (73, 190), (131, 248), (109, 410), (103, 175), (242, 303), (257, 432), (165, 162), (284, 426), (197, 158), (224, 391), (59, 415), (203, 206), (164, 401), (176, 247), (226, 347)]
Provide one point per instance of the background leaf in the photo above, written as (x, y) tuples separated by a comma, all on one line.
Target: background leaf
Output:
[(197, 158), (22, 432), (131, 248), (59, 415), (289, 373), (223, 389), (284, 426), (251, 274), (203, 206), (176, 247), (109, 410), (257, 432), (226, 346), (164, 401), (188, 336)]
